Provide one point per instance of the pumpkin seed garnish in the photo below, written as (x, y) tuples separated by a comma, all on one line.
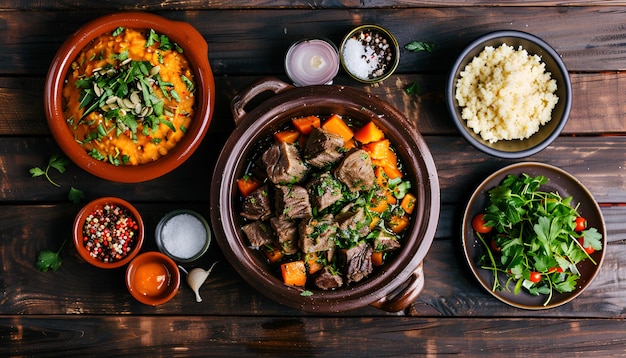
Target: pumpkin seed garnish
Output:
[(125, 94)]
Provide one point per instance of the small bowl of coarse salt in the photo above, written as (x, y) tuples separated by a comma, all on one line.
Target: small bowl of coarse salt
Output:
[(369, 53), (183, 235)]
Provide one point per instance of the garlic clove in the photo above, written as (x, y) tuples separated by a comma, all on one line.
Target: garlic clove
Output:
[(196, 277)]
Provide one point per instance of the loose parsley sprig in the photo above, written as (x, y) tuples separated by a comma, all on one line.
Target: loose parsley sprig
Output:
[(59, 163), (533, 241), (419, 46), (49, 260)]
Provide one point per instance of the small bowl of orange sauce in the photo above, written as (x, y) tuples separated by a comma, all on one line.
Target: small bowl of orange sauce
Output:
[(152, 278)]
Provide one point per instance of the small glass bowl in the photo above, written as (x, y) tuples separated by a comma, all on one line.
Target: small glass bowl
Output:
[(351, 56), (312, 61), (183, 235)]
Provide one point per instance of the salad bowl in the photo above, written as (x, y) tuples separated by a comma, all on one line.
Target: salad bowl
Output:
[(474, 248)]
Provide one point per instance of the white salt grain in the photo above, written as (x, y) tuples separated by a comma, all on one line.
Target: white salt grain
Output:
[(360, 60), (184, 236)]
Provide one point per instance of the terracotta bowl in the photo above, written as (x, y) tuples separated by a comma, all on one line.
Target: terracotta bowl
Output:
[(398, 282), (99, 205), (152, 278), (516, 148), (195, 49)]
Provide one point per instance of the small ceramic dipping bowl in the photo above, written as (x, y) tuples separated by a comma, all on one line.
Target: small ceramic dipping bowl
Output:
[(183, 235), (108, 232), (152, 278), (369, 53), (512, 148)]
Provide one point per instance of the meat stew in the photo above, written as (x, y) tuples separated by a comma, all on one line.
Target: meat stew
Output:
[(331, 196)]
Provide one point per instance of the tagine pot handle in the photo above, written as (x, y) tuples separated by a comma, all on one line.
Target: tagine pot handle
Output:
[(398, 301), (265, 84)]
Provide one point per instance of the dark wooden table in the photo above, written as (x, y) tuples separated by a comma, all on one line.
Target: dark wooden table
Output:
[(80, 310)]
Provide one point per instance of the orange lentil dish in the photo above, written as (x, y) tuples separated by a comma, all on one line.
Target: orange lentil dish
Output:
[(129, 96)]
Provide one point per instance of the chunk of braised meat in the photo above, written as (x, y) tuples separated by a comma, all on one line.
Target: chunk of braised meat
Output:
[(356, 171), (324, 191), (292, 202), (327, 280), (385, 241), (287, 233), (317, 234), (323, 148), (257, 205), (358, 262), (283, 164), (259, 233), (352, 223)]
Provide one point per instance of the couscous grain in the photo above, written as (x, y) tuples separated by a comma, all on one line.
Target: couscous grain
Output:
[(506, 94)]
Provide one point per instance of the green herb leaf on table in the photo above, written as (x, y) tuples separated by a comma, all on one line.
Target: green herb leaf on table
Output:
[(413, 89), (57, 162), (419, 46), (75, 195), (49, 260)]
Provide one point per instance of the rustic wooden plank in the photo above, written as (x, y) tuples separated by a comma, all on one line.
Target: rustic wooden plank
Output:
[(32, 38), (598, 162), (152, 5), (130, 336), (599, 106), (78, 288)]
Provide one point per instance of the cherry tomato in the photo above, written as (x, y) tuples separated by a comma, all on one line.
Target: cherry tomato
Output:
[(478, 223), (588, 249), (494, 246), (581, 224), (556, 269), (535, 276)]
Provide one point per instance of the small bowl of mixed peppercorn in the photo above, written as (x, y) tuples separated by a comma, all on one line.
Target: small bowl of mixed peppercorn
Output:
[(108, 232), (369, 53)]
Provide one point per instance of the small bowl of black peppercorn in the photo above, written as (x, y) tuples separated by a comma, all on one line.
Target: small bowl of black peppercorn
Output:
[(369, 53)]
